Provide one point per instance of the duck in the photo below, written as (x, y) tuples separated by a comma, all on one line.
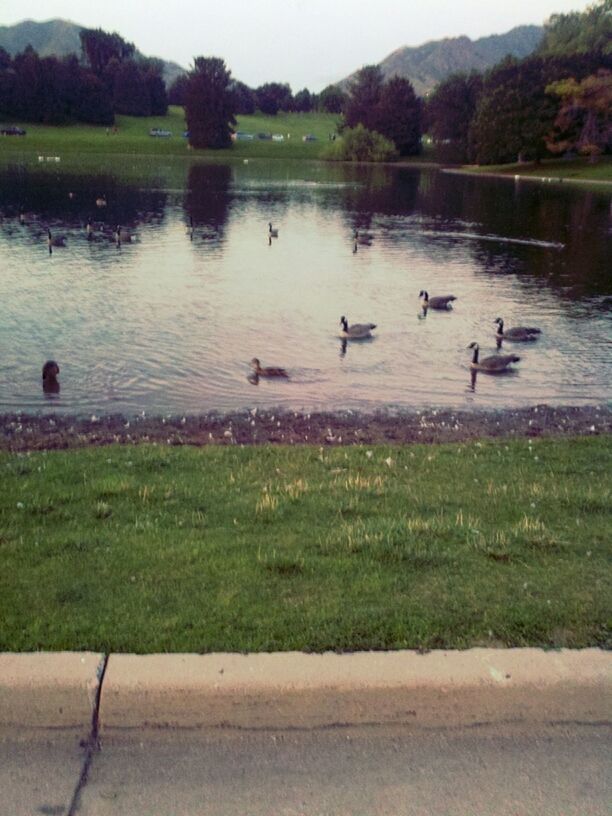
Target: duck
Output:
[(258, 371), (518, 333), (364, 238), (49, 377), (494, 364), (55, 241), (438, 302), (272, 231), (358, 331)]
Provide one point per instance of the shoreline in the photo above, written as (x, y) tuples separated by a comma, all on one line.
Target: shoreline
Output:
[(22, 432), (523, 177)]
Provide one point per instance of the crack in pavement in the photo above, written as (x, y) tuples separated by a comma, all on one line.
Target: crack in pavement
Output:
[(92, 743)]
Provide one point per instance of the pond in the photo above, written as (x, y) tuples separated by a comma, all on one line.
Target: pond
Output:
[(169, 321)]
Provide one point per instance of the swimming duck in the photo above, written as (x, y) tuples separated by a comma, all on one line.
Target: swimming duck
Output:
[(518, 333), (267, 372), (49, 377), (122, 236), (358, 331), (494, 364), (438, 302), (272, 231)]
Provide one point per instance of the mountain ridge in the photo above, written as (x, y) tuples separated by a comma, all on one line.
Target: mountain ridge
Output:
[(58, 37)]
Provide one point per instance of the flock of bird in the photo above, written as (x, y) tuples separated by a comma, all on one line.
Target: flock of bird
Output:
[(493, 364)]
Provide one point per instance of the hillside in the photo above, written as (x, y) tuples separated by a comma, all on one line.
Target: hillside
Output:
[(58, 37), (427, 65)]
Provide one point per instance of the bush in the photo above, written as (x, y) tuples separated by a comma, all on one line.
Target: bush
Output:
[(361, 145)]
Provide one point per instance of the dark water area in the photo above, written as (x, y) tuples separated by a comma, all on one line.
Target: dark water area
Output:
[(167, 321)]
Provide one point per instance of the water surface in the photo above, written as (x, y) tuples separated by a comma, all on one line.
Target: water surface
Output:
[(169, 322)]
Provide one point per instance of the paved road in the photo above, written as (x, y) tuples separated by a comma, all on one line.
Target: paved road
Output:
[(482, 771)]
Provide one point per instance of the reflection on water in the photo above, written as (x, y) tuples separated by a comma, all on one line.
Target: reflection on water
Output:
[(170, 321)]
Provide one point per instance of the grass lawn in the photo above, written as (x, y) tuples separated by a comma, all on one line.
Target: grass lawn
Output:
[(153, 549), (133, 138), (579, 168)]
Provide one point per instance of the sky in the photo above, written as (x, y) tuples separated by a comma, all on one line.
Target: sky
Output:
[(308, 43)]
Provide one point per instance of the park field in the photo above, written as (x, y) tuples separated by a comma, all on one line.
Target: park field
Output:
[(132, 138), (156, 548)]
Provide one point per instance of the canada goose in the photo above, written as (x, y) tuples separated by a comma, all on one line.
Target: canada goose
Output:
[(518, 333), (494, 364), (267, 372), (358, 331), (272, 232), (55, 241), (364, 238), (49, 377), (438, 302), (122, 236), (101, 201)]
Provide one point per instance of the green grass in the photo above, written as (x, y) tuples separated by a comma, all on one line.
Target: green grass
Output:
[(133, 138), (569, 169), (151, 549)]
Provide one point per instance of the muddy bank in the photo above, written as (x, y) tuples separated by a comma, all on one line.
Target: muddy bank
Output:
[(23, 432)]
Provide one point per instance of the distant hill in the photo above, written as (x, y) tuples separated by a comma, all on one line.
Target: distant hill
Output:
[(58, 37), (427, 65)]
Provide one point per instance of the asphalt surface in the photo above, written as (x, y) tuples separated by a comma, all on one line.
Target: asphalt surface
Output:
[(507, 770)]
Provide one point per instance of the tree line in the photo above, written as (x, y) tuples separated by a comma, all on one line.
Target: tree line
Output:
[(109, 77), (558, 100)]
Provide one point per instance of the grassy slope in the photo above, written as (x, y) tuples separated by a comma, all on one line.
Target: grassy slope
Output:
[(580, 168), (133, 137), (164, 549)]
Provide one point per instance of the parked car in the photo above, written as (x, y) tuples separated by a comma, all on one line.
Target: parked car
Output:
[(309, 137), (264, 136), (160, 132), (242, 136), (12, 130), (278, 137)]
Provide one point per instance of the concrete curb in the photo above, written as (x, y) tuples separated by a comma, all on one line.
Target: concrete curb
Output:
[(48, 689), (295, 690)]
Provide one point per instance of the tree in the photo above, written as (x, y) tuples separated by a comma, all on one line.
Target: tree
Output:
[(304, 101), (274, 96), (209, 104), (363, 98), (584, 119), (578, 32), (361, 145), (99, 48), (332, 99), (398, 116), (176, 92), (130, 91), (245, 100), (449, 112)]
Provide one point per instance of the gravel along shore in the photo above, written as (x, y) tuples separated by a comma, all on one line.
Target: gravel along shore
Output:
[(26, 432)]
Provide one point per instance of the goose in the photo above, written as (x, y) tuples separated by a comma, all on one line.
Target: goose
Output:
[(258, 371), (438, 302), (272, 232), (358, 331), (55, 241), (494, 364), (49, 377), (518, 333), (123, 236), (365, 239)]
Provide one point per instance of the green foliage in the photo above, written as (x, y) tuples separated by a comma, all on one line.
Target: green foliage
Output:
[(584, 120), (361, 106), (578, 32), (449, 112), (273, 97), (145, 549), (99, 48), (332, 99), (361, 145), (209, 104)]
